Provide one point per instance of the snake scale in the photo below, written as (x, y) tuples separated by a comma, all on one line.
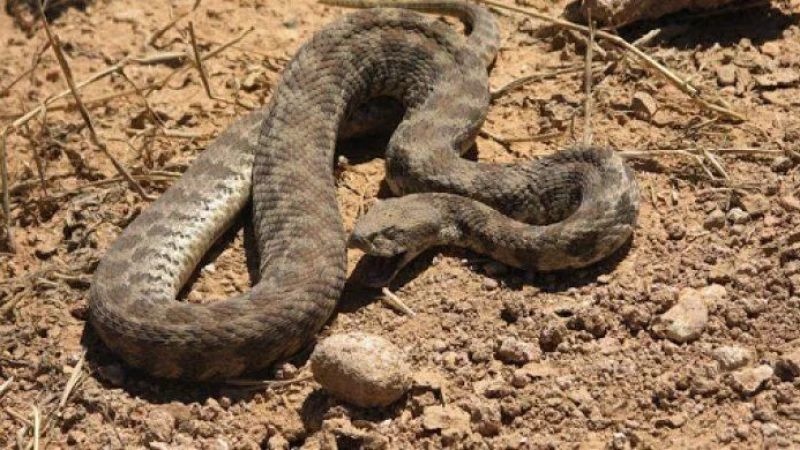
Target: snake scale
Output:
[(566, 210)]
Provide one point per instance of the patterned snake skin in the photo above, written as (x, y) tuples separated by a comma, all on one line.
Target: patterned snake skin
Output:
[(441, 80)]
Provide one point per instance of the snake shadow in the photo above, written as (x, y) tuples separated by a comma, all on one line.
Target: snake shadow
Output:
[(689, 30), (355, 296), (759, 22)]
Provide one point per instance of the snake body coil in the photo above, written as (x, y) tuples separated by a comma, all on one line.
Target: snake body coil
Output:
[(440, 79)]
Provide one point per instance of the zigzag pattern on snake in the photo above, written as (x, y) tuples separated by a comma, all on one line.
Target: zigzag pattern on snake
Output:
[(579, 205)]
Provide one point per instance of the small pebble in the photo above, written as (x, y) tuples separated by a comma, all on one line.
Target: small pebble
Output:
[(714, 220), (253, 80), (580, 396), (784, 77), (490, 284), (673, 421), (159, 426), (748, 381), (643, 105), (436, 417), (726, 75), (770, 429), (754, 306), (742, 431), (592, 320), (519, 379), (685, 321), (782, 164), (551, 336), (278, 442), (619, 441), (514, 351), (486, 417), (755, 204), (675, 231), (732, 357), (790, 203), (361, 369), (737, 216)]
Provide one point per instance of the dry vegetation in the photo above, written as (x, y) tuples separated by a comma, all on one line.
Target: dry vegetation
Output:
[(104, 104)]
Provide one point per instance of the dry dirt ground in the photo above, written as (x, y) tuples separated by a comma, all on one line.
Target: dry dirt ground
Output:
[(504, 359)]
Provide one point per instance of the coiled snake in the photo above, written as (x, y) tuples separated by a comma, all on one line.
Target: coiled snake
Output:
[(562, 211)]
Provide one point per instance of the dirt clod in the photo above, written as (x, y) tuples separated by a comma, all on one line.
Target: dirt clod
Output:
[(643, 105), (159, 426), (714, 220), (726, 75), (685, 321), (514, 351), (732, 357), (551, 336), (749, 380), (452, 418)]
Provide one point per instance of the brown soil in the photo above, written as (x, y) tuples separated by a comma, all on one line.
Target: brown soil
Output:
[(581, 365)]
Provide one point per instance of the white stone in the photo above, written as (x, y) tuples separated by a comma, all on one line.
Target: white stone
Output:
[(361, 369), (732, 357), (748, 381), (685, 321)]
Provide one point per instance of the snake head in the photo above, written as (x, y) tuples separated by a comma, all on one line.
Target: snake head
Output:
[(394, 232)]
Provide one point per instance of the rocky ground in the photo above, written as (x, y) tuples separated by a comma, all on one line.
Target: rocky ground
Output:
[(688, 338)]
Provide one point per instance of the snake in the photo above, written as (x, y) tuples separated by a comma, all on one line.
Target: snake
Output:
[(566, 210)]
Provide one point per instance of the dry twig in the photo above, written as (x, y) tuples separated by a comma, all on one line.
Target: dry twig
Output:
[(19, 417), (22, 118), (532, 78), (587, 105), (155, 176), (73, 380), (684, 85), (6, 201), (702, 155), (396, 303), (160, 32), (37, 58), (226, 45), (150, 112), (205, 57), (714, 163), (257, 384), (65, 69), (506, 142), (37, 157), (37, 421), (49, 419), (4, 387), (198, 62), (32, 113)]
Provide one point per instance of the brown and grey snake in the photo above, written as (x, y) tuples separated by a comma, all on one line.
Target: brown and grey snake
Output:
[(562, 211)]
